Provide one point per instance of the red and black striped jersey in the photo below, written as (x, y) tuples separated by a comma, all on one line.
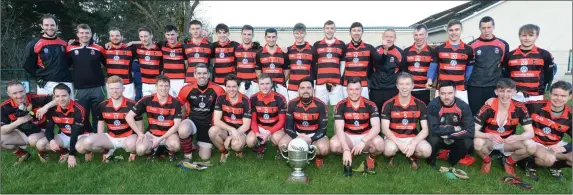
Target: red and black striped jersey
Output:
[(233, 113), (173, 60), (9, 109), (161, 117), (273, 64), (549, 129), (310, 118), (487, 118), (417, 63), (356, 120), (529, 69), (224, 60), (119, 60), (150, 62), (404, 120), (246, 59), (300, 57), (358, 60), (268, 108), (70, 121), (114, 117), (452, 63), (200, 101), (327, 58), (197, 53)]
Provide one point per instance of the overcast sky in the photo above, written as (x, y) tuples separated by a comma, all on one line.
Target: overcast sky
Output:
[(315, 13)]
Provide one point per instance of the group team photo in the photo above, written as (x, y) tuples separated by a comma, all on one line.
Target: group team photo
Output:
[(205, 103)]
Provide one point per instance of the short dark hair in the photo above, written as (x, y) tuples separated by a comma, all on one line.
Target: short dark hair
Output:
[(49, 16), (486, 19), (193, 22), (306, 79), (270, 30), (454, 22), (144, 29), (354, 80), (406, 75), (83, 26), (420, 27), (202, 65), (222, 27), (329, 22), (115, 29), (299, 26), (169, 28), (12, 83), (505, 83), (356, 24), (564, 85), (62, 87), (247, 27), (162, 78), (265, 76), (231, 77), (446, 83), (529, 28)]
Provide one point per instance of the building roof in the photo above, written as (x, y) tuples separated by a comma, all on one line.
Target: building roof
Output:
[(283, 28), (459, 12)]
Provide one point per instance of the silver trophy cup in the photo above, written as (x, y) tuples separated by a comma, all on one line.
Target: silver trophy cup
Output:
[(298, 157)]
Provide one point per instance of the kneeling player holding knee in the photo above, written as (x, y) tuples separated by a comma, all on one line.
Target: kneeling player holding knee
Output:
[(307, 118), (357, 125), (164, 116), (496, 125), (269, 114), (400, 116), (69, 117), (112, 115), (551, 120), (18, 125), (232, 119)]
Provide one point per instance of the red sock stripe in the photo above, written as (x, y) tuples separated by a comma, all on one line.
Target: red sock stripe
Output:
[(41, 153), (187, 144), (223, 151), (19, 152), (510, 160), (487, 159)]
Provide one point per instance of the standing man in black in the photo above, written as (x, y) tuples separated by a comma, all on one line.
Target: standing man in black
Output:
[(45, 58), (87, 59), (489, 54), (382, 81)]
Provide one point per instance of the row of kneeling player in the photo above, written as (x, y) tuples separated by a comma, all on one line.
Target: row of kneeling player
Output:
[(224, 118)]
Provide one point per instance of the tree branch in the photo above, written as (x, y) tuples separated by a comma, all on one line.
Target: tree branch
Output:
[(146, 13)]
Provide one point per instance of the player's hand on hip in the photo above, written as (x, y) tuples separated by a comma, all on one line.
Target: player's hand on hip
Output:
[(71, 161), (346, 158), (54, 145)]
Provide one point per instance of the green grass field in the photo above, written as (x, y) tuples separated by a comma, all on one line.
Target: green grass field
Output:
[(250, 175)]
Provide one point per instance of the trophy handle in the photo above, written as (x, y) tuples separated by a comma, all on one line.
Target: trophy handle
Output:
[(312, 150), (282, 150)]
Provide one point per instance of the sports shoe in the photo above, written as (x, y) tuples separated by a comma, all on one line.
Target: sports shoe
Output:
[(260, 151), (43, 157), (239, 154), (467, 160), (318, 162), (557, 173), (63, 158), (509, 168), (530, 170), (414, 163), (224, 157), (172, 157), (108, 159), (278, 155), (485, 167), (23, 158)]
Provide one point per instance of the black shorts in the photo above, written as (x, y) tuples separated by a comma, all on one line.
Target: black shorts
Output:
[(202, 132)]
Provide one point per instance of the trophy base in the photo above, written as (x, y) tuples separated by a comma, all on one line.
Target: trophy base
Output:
[(298, 179)]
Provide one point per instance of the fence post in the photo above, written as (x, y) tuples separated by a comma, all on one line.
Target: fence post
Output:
[(569, 64)]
